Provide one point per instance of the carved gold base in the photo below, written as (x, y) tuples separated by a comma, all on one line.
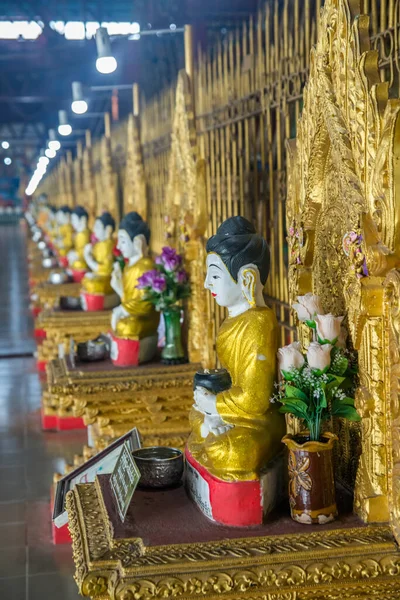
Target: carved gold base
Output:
[(48, 294), (61, 326), (359, 563)]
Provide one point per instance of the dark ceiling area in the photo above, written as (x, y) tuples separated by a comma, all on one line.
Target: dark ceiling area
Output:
[(36, 75)]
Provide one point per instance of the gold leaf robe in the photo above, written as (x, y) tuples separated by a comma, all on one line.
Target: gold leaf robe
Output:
[(99, 282)]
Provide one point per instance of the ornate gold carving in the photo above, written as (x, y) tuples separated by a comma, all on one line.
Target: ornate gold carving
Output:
[(343, 186), (356, 563), (135, 183)]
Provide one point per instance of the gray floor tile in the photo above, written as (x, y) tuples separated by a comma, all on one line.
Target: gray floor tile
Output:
[(13, 588), (13, 562), (12, 535), (12, 512), (57, 586)]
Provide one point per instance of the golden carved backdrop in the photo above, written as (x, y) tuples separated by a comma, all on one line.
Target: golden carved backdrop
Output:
[(218, 141)]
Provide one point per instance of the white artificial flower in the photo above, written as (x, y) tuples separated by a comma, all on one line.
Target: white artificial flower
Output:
[(319, 355), (307, 307), (290, 357), (328, 327)]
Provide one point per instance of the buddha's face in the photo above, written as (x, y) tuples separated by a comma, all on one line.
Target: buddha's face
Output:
[(62, 217), (100, 231), (130, 248), (79, 223), (221, 284)]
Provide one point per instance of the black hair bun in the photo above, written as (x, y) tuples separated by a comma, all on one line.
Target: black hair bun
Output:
[(213, 380)]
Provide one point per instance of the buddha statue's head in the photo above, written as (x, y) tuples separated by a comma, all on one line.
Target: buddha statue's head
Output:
[(104, 227), (63, 215), (79, 219), (133, 237), (238, 261)]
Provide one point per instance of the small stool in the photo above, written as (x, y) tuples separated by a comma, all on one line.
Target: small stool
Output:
[(129, 353), (78, 274)]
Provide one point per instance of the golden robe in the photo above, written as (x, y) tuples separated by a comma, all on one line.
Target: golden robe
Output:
[(143, 318), (246, 347), (65, 232), (99, 282), (82, 238)]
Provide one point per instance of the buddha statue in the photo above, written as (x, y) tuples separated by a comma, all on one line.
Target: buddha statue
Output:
[(64, 233), (237, 432), (135, 319), (79, 222), (99, 257)]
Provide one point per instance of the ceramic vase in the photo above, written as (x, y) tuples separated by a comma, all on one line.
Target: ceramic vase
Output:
[(311, 479)]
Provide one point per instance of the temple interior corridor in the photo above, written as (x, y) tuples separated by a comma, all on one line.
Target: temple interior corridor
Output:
[(31, 567)]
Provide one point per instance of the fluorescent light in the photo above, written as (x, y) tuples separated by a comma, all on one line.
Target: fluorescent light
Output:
[(54, 145), (106, 64), (79, 107), (50, 153), (43, 160), (65, 129), (74, 30), (7, 160), (5, 145)]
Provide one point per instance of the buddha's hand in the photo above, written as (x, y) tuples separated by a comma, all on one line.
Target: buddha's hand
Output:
[(205, 401), (116, 279), (215, 425), (118, 313), (87, 254)]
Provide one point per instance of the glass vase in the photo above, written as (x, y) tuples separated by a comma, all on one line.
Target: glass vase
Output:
[(173, 352)]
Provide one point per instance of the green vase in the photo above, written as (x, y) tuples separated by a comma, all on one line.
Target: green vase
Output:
[(173, 352)]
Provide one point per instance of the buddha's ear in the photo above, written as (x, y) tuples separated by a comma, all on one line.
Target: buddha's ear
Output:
[(248, 281), (140, 244)]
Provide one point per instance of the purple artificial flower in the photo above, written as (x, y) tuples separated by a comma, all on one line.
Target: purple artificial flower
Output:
[(169, 259), (181, 276), (159, 284), (147, 279)]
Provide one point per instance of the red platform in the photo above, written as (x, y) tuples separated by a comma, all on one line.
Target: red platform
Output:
[(239, 504), (60, 535), (69, 423), (93, 302), (63, 260), (41, 366), (78, 274), (124, 352), (36, 310), (49, 422)]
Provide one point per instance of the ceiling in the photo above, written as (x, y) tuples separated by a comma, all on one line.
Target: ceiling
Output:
[(36, 76)]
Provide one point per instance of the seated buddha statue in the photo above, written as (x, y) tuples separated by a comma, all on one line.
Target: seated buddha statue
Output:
[(79, 222), (64, 234), (135, 318), (237, 432), (99, 257)]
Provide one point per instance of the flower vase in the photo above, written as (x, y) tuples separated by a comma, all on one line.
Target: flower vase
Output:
[(311, 481), (173, 352)]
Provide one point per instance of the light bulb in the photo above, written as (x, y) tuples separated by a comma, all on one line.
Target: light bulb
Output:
[(54, 145), (50, 153), (64, 129), (106, 64), (7, 160), (79, 107), (5, 145)]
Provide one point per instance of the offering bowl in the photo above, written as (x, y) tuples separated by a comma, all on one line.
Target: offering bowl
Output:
[(58, 277), (93, 350), (70, 303), (159, 466)]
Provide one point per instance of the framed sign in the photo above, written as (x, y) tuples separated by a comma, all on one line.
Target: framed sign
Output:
[(104, 462), (124, 480)]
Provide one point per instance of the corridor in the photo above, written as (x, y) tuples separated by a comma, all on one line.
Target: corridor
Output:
[(31, 567)]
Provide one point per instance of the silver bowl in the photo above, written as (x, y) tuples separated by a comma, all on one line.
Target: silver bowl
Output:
[(70, 303), (49, 262), (42, 245), (93, 350), (58, 277), (159, 466)]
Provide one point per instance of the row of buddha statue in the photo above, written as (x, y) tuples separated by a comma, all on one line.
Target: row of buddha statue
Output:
[(236, 429)]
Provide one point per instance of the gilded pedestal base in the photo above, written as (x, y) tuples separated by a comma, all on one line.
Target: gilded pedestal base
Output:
[(360, 563)]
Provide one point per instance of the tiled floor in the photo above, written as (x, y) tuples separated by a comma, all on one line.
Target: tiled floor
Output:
[(31, 568)]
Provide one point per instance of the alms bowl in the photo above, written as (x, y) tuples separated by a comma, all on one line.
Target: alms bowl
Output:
[(57, 277), (93, 350), (159, 466)]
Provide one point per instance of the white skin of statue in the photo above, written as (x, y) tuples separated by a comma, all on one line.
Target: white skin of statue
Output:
[(62, 218), (132, 250), (101, 233), (237, 298), (79, 224)]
